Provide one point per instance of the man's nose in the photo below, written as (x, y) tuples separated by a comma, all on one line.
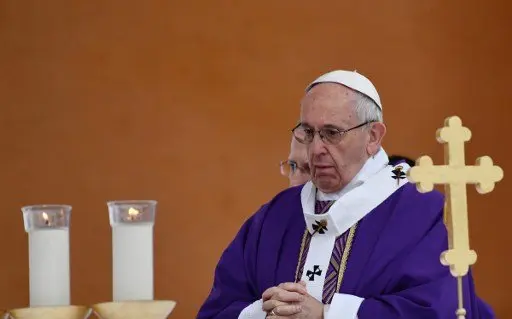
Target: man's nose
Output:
[(317, 145)]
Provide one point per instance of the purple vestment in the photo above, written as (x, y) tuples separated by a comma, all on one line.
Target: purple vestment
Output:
[(394, 263)]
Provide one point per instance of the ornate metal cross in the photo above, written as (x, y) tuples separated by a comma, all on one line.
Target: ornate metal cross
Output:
[(455, 175)]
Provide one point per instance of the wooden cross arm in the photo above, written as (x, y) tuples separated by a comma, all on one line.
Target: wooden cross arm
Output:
[(458, 260), (484, 174)]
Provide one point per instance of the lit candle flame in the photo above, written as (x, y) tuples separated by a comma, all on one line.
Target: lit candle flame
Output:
[(133, 213), (45, 217)]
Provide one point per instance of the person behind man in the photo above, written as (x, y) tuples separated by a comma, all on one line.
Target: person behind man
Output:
[(395, 159), (296, 167), (357, 241)]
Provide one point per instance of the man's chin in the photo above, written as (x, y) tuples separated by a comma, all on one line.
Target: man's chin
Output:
[(326, 184)]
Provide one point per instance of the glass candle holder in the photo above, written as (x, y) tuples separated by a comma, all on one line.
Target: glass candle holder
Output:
[(41, 217), (131, 212)]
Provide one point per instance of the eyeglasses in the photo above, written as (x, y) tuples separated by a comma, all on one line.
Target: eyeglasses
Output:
[(289, 168), (329, 135)]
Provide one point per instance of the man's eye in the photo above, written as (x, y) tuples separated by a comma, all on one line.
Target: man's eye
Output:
[(330, 132), (293, 166), (309, 131)]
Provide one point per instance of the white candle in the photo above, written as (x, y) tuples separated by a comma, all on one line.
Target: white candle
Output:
[(49, 271), (132, 249), (49, 267)]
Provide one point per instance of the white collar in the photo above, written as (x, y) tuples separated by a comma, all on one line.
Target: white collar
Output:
[(374, 183), (370, 167)]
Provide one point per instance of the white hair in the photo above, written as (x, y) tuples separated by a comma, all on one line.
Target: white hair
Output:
[(366, 109)]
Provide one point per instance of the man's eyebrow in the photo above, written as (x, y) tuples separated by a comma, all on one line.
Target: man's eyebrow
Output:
[(303, 124), (329, 126), (333, 126)]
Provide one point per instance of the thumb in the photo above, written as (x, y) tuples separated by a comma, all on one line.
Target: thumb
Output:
[(303, 283)]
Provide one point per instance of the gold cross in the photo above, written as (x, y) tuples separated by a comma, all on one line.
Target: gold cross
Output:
[(455, 175)]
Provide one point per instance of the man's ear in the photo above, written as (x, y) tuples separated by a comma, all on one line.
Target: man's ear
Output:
[(377, 132)]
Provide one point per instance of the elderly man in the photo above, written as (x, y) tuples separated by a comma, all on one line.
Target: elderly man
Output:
[(357, 241)]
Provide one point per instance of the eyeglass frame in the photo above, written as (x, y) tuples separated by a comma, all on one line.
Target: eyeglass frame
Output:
[(325, 139), (298, 168)]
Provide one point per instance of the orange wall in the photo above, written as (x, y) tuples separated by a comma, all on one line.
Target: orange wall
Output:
[(190, 103)]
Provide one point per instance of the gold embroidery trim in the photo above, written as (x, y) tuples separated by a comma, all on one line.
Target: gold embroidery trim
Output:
[(344, 258), (302, 245)]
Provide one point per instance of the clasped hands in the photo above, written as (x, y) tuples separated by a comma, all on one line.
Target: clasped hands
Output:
[(291, 301)]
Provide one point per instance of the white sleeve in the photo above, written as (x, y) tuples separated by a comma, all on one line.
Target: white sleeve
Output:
[(253, 311), (343, 306)]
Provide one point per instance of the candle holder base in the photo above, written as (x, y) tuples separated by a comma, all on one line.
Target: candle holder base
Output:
[(150, 309), (64, 312)]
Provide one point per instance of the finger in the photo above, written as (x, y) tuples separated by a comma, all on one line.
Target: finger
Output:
[(267, 294), (292, 286), (282, 295), (288, 296), (287, 310), (302, 282), (268, 305)]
